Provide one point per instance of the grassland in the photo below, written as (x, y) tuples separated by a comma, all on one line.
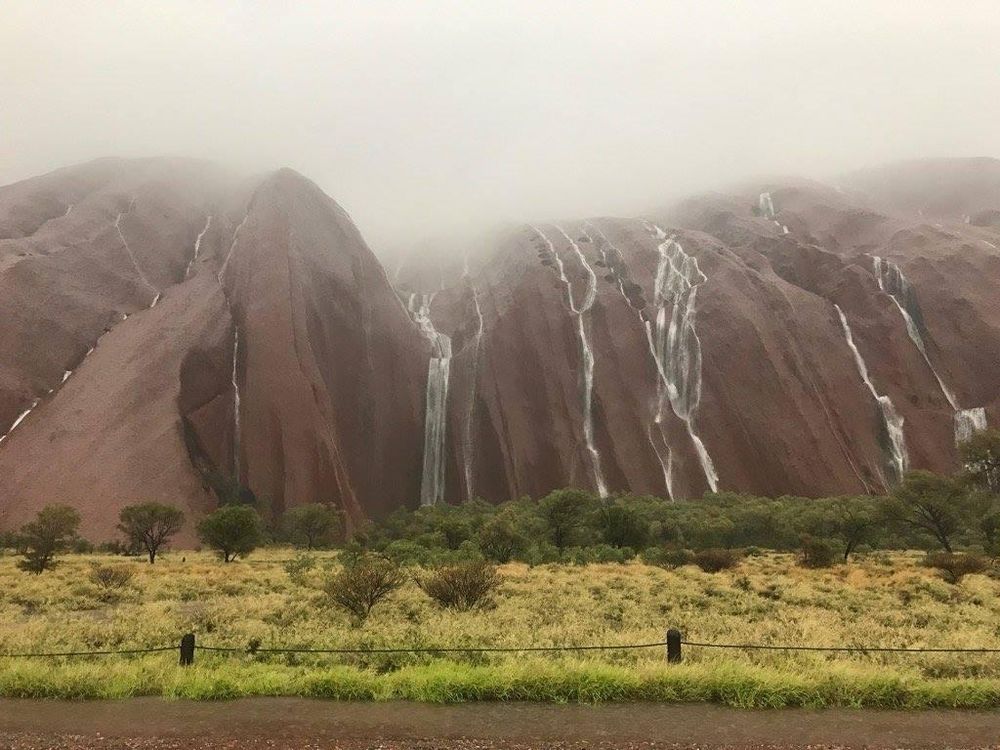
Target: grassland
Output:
[(881, 600)]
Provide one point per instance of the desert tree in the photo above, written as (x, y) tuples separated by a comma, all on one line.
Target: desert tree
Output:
[(312, 525), (564, 513), (149, 526), (232, 531), (363, 583), (53, 531), (981, 459), (854, 521), (935, 505)]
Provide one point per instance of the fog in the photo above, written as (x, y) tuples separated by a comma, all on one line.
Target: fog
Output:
[(423, 118)]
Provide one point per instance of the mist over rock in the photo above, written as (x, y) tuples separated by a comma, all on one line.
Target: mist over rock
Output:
[(165, 326)]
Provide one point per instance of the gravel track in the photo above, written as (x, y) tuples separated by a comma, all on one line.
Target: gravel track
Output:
[(287, 724)]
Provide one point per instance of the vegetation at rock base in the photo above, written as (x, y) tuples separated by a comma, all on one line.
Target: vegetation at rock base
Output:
[(461, 586), (879, 598), (149, 526), (313, 525), (233, 531), (915, 570), (52, 532), (363, 583)]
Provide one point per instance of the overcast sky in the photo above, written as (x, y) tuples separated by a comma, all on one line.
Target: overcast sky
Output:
[(430, 117)]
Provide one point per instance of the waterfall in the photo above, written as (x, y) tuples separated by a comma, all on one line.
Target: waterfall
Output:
[(586, 353), (891, 280), (891, 419), (766, 206), (436, 410), (467, 440), (21, 418), (131, 255), (676, 346), (197, 248), (232, 246), (662, 450), (236, 403), (969, 421)]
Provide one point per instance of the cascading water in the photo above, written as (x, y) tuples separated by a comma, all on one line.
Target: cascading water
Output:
[(21, 418), (197, 248), (766, 206), (236, 403), (968, 422), (131, 255), (232, 246), (891, 280), (661, 449), (676, 345), (467, 441), (586, 353), (891, 419), (436, 410)]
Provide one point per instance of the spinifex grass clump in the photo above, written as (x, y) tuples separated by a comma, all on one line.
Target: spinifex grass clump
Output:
[(461, 586), (954, 567), (363, 583)]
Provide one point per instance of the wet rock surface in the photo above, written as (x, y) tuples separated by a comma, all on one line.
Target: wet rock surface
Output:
[(696, 349)]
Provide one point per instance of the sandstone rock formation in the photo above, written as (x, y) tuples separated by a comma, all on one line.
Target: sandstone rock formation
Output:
[(166, 327)]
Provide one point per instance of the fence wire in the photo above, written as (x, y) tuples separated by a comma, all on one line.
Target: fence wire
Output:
[(507, 649)]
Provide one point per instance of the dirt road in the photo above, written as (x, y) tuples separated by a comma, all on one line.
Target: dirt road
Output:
[(280, 724)]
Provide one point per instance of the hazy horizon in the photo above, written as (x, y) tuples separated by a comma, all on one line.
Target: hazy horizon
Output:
[(428, 119)]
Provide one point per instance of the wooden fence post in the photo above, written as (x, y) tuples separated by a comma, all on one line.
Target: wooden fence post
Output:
[(673, 646), (187, 650)]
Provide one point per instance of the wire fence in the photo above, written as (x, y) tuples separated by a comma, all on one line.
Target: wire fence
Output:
[(672, 644)]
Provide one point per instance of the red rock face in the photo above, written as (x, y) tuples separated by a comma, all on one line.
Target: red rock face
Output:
[(706, 348), (783, 406), (326, 353)]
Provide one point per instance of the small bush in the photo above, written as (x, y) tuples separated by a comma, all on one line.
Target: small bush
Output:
[(716, 560), (817, 553), (954, 567), (111, 579), (667, 558), (232, 531), (499, 541), (53, 531), (299, 567), (363, 584), (313, 525), (462, 586)]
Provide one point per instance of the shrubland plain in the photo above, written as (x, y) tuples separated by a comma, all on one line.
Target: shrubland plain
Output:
[(268, 600)]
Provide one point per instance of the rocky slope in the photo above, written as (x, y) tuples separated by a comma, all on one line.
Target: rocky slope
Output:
[(167, 328), (142, 300)]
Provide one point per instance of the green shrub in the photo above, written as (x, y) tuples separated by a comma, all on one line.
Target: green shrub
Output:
[(149, 526), (499, 541), (299, 567), (816, 553), (363, 584), (111, 579), (954, 567), (52, 531), (313, 525), (598, 553), (716, 560), (622, 526), (667, 558), (461, 586), (232, 531)]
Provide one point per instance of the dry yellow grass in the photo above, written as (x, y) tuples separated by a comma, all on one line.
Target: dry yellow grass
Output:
[(882, 600)]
